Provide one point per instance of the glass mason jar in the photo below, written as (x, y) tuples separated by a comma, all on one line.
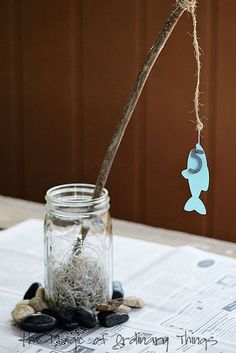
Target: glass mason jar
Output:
[(78, 247)]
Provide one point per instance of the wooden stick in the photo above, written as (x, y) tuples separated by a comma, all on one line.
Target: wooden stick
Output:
[(154, 52), (152, 56)]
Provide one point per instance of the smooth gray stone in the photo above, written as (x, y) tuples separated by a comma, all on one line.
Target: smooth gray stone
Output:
[(86, 317), (118, 291), (65, 318), (30, 293), (111, 319), (38, 323)]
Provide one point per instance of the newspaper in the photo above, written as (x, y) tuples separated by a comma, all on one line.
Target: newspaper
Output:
[(190, 298)]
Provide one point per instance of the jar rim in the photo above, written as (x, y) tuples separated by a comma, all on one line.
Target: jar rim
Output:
[(52, 195)]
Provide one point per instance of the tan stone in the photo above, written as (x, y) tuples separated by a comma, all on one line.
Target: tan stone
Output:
[(22, 311), (111, 305), (37, 304), (40, 293), (134, 302), (123, 309), (23, 302)]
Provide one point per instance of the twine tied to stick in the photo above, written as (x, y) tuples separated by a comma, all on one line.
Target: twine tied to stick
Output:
[(187, 5), (190, 6)]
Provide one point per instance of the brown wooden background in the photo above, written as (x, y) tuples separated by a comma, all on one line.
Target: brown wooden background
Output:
[(67, 67)]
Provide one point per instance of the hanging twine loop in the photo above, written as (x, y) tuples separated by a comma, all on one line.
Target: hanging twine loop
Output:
[(190, 6)]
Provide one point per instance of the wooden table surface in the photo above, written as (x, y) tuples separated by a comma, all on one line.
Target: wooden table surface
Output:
[(13, 211)]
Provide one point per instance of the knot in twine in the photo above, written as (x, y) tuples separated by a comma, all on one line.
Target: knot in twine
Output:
[(200, 125), (187, 5)]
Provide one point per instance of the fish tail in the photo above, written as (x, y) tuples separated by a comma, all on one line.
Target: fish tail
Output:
[(195, 204)]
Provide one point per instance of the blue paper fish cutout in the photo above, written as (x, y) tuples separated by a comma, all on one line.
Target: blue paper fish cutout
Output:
[(197, 174)]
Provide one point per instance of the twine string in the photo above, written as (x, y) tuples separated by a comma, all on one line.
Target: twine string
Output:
[(190, 6)]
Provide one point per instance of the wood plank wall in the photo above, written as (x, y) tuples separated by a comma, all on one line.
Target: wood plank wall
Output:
[(67, 67)]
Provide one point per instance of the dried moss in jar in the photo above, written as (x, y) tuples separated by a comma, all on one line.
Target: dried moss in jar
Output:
[(78, 247)]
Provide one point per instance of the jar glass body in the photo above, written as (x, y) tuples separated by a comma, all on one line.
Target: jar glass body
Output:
[(78, 247)]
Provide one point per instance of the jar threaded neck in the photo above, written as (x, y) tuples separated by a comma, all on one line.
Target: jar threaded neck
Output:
[(69, 200)]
